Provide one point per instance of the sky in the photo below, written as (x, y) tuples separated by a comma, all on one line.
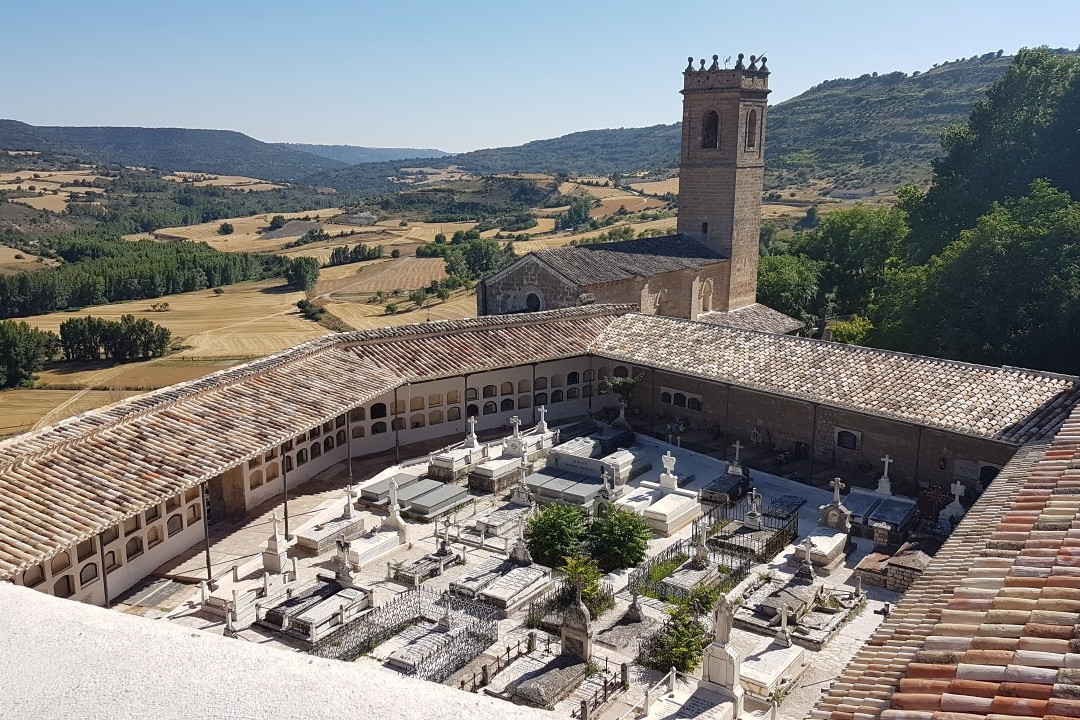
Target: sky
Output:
[(459, 75)]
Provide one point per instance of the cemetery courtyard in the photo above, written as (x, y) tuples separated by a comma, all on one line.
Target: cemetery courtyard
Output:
[(422, 568)]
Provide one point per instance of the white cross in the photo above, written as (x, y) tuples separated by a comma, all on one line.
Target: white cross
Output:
[(471, 422), (807, 546), (669, 461), (607, 478), (957, 490), (393, 496), (275, 524), (886, 460), (738, 446), (755, 500), (516, 422), (837, 486), (542, 412)]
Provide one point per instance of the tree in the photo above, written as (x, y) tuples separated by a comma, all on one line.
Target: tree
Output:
[(277, 222), (681, 642), (443, 293), (855, 331), (792, 285), (581, 571), (225, 229), (23, 351), (302, 272), (418, 297), (440, 239), (555, 533), (395, 253), (391, 309), (621, 386), (577, 215), (618, 538)]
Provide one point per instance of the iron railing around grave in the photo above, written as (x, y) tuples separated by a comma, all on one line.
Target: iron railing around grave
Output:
[(780, 519), (553, 603), (734, 565), (640, 580), (478, 622)]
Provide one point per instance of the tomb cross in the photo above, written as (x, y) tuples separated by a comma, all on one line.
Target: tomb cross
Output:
[(957, 490), (807, 547), (471, 422), (755, 500), (886, 460), (837, 486), (275, 524), (738, 446), (669, 462), (542, 412), (606, 476), (348, 501), (783, 618), (516, 422), (393, 496)]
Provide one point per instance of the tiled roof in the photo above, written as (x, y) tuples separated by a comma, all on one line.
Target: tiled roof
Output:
[(992, 628), (1007, 404), (613, 261), (70, 481), (753, 317)]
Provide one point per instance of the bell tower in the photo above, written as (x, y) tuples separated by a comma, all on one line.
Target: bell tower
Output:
[(722, 167)]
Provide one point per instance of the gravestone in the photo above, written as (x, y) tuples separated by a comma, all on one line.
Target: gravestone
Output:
[(576, 631), (277, 549), (835, 515), (884, 484), (723, 664)]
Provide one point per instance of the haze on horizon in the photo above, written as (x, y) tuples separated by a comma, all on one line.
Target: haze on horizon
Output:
[(459, 76)]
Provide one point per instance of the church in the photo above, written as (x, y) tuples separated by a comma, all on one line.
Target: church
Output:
[(708, 270)]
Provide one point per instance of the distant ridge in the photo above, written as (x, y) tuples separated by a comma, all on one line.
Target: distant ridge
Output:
[(356, 154)]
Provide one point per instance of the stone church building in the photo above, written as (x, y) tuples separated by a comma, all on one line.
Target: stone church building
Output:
[(708, 271)]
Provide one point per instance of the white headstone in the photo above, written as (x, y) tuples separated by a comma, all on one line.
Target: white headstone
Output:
[(669, 461), (738, 446), (957, 489), (542, 425), (837, 486), (516, 422), (884, 484)]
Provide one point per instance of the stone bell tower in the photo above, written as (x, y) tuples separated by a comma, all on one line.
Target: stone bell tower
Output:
[(722, 167)]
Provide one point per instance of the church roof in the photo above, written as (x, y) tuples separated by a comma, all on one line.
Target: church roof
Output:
[(992, 627), (753, 317), (1007, 404), (613, 261)]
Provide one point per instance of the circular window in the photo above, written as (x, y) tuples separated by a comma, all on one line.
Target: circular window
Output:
[(532, 302)]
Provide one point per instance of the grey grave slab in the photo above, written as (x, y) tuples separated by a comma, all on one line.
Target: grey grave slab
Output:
[(862, 503), (893, 510), (380, 491), (501, 522), (582, 493), (505, 589), (479, 578), (406, 496), (538, 479), (442, 497), (556, 487)]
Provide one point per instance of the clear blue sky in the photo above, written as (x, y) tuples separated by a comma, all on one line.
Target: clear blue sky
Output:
[(459, 75)]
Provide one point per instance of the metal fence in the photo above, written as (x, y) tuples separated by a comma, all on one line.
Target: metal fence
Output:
[(734, 565), (478, 623), (641, 580), (779, 520), (552, 604)]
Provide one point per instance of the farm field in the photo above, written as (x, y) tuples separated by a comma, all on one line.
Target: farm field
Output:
[(57, 184), (105, 375), (21, 410), (543, 225), (554, 241), (658, 187), (601, 191), (249, 320), (363, 316), (233, 182), (11, 264), (633, 203), (407, 273), (245, 236)]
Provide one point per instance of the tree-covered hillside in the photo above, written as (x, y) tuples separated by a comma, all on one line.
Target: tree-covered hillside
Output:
[(356, 154)]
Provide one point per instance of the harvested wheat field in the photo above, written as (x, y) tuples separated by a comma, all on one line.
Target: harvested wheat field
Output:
[(665, 225), (21, 410), (106, 375), (632, 203), (234, 182), (55, 177), (421, 232), (658, 187), (603, 191), (543, 225), (13, 260), (246, 235), (407, 273), (52, 203), (364, 316), (250, 319)]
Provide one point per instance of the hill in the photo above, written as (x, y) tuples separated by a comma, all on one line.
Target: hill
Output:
[(356, 154), (854, 134), (211, 151)]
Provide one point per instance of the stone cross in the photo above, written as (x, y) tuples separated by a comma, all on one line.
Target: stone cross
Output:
[(886, 460), (808, 545), (725, 612), (471, 422), (755, 500), (783, 619), (957, 490), (669, 462), (516, 422), (542, 412), (348, 501), (738, 446), (393, 496), (837, 486), (606, 476), (276, 533)]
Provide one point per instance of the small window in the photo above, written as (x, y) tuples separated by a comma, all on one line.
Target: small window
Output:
[(314, 433), (507, 405), (847, 440), (132, 524), (64, 587), (358, 431), (397, 424), (112, 561), (573, 393), (589, 376), (556, 396), (453, 413), (328, 426), (256, 479), (490, 391), (194, 512), (271, 454), (110, 535), (490, 408), (357, 414), (533, 302), (378, 410), (586, 391), (378, 428), (254, 462), (417, 421), (665, 397), (88, 574), (693, 404), (679, 400), (328, 444), (987, 473), (472, 410), (173, 503), (301, 457), (316, 450), (175, 524), (540, 398), (154, 536), (524, 386), (540, 383), (416, 403), (84, 549), (603, 372), (435, 417), (301, 439), (751, 129), (152, 514), (434, 401), (556, 380), (286, 447), (33, 575), (192, 494), (341, 438), (339, 421), (288, 463), (133, 548), (272, 471), (507, 388), (524, 401), (704, 229), (573, 378), (471, 394), (621, 371), (710, 130), (453, 396)]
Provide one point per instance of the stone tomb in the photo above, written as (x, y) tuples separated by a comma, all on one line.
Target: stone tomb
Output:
[(771, 668), (378, 493), (429, 566), (827, 549), (502, 522), (495, 475), (515, 587), (698, 570), (319, 537), (371, 546), (869, 508), (796, 611), (434, 502), (317, 610)]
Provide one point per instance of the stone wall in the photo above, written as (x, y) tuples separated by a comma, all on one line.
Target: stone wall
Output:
[(508, 292)]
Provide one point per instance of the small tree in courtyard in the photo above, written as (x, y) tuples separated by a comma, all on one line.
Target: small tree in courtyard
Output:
[(618, 539), (624, 388), (581, 571), (681, 642), (555, 533)]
